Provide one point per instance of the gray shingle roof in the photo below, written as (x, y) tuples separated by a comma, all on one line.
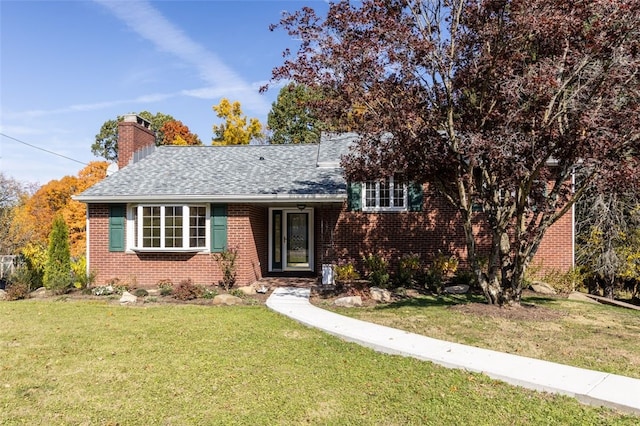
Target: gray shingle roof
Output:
[(232, 173)]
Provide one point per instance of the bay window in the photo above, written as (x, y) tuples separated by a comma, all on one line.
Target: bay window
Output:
[(169, 227)]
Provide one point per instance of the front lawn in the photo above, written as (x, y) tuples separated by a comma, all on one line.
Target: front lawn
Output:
[(586, 335), (92, 362)]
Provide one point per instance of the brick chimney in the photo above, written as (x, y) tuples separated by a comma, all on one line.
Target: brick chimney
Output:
[(135, 139)]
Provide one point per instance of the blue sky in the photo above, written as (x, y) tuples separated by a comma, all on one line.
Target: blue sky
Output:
[(66, 67)]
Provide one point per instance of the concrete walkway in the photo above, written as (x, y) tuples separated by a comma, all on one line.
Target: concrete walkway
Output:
[(588, 386)]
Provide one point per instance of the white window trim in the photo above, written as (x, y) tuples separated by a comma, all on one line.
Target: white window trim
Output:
[(136, 246), (392, 207)]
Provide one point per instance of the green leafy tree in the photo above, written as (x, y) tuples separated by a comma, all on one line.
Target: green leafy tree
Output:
[(292, 118), (106, 142), (57, 270), (235, 130)]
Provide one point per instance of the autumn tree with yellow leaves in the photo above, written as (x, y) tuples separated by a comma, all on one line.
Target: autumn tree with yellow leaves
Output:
[(235, 130), (34, 218)]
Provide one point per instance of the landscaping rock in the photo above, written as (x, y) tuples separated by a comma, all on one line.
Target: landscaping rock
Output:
[(542, 288), (128, 298), (348, 302), (39, 293), (380, 294), (249, 290), (457, 289), (411, 292), (576, 295), (226, 299), (155, 292)]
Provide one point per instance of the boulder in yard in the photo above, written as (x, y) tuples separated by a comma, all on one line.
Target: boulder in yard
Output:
[(348, 301), (249, 290), (39, 293), (154, 292), (380, 294), (411, 292), (128, 298), (542, 288), (226, 299), (457, 289)]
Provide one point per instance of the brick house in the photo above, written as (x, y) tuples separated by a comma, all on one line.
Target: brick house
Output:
[(287, 209)]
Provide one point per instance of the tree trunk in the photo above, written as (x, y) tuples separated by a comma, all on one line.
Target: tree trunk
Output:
[(607, 288), (490, 288)]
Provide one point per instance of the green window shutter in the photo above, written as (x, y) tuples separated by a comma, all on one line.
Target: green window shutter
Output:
[(117, 220), (354, 196), (218, 227), (415, 197)]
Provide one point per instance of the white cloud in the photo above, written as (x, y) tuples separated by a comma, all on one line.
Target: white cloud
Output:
[(142, 99), (221, 80)]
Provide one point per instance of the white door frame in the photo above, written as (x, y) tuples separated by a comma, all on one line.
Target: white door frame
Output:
[(283, 238)]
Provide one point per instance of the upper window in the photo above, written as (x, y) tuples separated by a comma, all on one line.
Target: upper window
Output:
[(169, 227), (385, 195)]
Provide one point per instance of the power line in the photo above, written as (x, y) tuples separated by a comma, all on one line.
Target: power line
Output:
[(42, 149)]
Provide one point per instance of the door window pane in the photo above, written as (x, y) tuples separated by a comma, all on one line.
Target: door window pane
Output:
[(297, 239)]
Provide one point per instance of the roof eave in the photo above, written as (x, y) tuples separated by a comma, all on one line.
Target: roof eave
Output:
[(235, 198)]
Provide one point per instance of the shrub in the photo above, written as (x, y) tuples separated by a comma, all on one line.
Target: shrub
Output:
[(444, 265), (23, 275), (166, 287), (118, 285), (141, 292), (345, 271), (377, 270), (105, 290), (35, 258), (408, 269), (17, 291), (186, 290), (464, 277), (563, 282), (237, 293), (209, 293), (57, 270), (226, 260), (80, 278), (432, 281), (441, 267)]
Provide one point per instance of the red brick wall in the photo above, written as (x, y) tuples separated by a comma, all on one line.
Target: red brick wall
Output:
[(556, 249), (350, 235), (392, 234), (339, 234), (247, 230)]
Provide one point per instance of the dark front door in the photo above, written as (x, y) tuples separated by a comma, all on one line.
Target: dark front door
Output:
[(291, 240)]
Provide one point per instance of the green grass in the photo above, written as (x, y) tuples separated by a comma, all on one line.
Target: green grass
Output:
[(87, 362), (592, 336)]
